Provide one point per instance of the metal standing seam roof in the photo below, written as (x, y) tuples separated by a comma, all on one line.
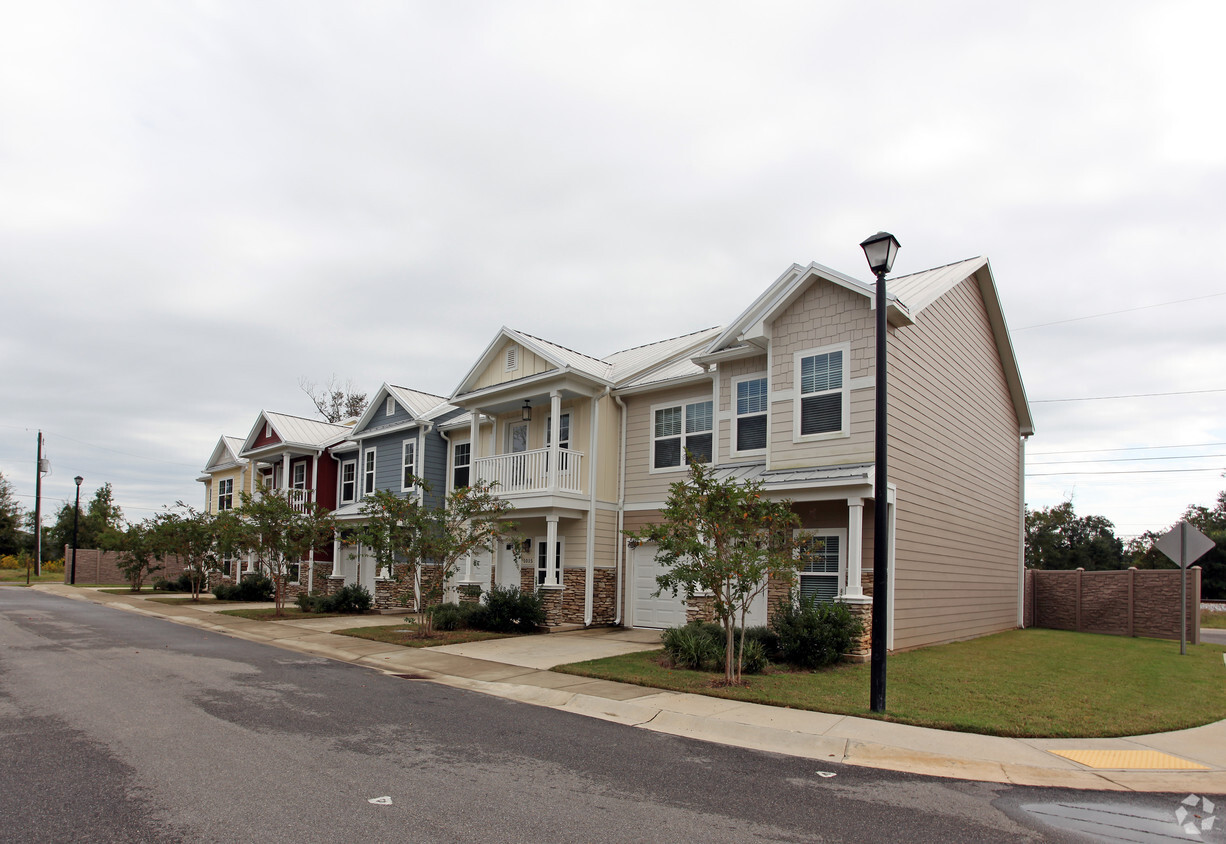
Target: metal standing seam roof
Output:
[(577, 361), (786, 477), (919, 290), (628, 362), (681, 368), (295, 430), (415, 401)]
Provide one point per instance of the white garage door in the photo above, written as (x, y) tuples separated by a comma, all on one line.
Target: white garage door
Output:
[(649, 611)]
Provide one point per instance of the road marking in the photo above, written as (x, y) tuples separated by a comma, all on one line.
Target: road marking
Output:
[(1151, 760)]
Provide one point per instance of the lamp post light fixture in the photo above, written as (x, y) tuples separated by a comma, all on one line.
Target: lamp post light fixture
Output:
[(526, 415), (880, 250), (76, 520)]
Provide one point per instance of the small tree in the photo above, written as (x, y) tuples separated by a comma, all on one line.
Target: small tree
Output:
[(280, 533), (725, 540), (392, 530), (470, 519), (189, 535), (140, 552)]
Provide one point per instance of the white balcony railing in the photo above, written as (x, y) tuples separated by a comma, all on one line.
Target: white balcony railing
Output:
[(528, 471), (298, 498)]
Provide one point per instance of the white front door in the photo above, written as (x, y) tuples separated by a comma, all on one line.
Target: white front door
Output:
[(366, 570), (508, 568), (648, 610)]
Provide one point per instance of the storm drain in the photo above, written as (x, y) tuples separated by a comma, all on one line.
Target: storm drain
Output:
[(1129, 760), (411, 676)]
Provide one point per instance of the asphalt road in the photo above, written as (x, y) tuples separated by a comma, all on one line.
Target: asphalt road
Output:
[(117, 727)]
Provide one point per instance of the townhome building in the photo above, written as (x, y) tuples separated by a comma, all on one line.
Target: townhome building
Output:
[(587, 447), (393, 444), (224, 477), (291, 456)]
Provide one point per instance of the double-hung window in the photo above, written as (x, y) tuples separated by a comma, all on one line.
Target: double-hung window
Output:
[(751, 403), (225, 494), (546, 576), (679, 429), (563, 431), (822, 559), (299, 475), (349, 481), (410, 465), (368, 472), (822, 408), (459, 471)]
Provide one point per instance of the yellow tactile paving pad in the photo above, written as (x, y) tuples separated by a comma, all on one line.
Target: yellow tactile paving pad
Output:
[(1149, 760)]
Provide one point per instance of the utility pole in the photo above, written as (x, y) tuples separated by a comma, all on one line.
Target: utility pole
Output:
[(38, 508)]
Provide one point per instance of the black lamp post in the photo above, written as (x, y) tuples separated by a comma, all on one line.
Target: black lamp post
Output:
[(76, 519), (880, 250)]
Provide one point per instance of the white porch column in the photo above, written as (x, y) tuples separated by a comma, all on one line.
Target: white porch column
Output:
[(474, 438), (552, 563), (855, 550), (285, 476), (555, 430), (336, 553)]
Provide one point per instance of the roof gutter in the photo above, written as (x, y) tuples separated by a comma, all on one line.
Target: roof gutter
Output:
[(621, 512)]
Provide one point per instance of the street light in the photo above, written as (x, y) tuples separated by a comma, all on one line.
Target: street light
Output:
[(76, 519), (880, 250)]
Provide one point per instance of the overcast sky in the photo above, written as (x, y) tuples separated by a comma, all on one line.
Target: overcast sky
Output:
[(202, 203)]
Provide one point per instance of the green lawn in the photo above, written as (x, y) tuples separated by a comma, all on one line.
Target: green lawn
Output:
[(1215, 620), (1033, 683), (17, 577), (270, 614), (406, 635)]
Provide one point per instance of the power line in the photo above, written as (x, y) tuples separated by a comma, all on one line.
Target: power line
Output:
[(1125, 459), (1124, 311), (1122, 448), (1125, 472), (1129, 396)]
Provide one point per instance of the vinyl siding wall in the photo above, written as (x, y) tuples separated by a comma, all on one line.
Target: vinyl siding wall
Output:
[(727, 405), (954, 447), (642, 485), (824, 315), (495, 373)]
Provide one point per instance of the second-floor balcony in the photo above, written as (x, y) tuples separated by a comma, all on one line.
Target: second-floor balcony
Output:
[(298, 498), (528, 471)]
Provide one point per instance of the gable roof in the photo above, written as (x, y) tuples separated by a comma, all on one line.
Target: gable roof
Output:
[(634, 363), (225, 454), (560, 357), (419, 405), (294, 431)]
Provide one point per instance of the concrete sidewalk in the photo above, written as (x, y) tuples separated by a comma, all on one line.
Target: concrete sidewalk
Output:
[(1188, 761)]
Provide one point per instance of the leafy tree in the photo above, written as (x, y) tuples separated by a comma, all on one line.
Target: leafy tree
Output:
[(1057, 538), (12, 538), (333, 401), (140, 552), (1211, 521), (392, 530), (100, 516), (280, 533), (724, 539), (189, 535)]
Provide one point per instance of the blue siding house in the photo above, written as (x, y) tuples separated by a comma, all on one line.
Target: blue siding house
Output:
[(394, 441)]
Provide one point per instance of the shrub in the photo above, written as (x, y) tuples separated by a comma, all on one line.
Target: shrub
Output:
[(448, 616), (54, 565), (691, 646), (8, 561), (813, 635), (510, 610), (182, 583), (352, 598), (253, 587)]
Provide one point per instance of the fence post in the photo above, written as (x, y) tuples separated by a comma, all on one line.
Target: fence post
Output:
[(1077, 603), (1194, 610), (1132, 591)]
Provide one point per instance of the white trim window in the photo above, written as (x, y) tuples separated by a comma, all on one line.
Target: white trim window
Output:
[(368, 472), (293, 573), (349, 481), (390, 407), (677, 429), (750, 402), (544, 575), (823, 557), (822, 409), (409, 475), (299, 475), (563, 430), (225, 494), (460, 465)]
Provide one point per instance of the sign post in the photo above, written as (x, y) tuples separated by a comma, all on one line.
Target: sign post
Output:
[(1185, 545)]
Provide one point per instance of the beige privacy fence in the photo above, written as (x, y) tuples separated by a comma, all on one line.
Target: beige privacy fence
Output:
[(1134, 602)]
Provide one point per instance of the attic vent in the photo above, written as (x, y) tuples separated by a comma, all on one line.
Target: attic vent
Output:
[(391, 406), (512, 361)]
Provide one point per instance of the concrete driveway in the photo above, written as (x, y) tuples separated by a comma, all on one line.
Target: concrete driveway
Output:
[(550, 649)]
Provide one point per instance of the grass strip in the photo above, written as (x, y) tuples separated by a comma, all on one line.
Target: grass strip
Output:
[(407, 636), (1212, 620), (287, 613), (1022, 683)]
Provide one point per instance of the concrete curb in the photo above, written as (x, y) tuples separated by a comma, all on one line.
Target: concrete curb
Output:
[(813, 735)]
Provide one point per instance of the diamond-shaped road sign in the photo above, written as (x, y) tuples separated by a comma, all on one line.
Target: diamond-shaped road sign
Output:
[(1184, 544)]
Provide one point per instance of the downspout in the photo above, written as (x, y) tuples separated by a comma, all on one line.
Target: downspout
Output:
[(594, 441), (621, 511), (1021, 530), (315, 490)]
